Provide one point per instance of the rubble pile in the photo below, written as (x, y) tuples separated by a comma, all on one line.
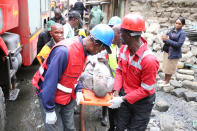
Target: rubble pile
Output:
[(191, 32), (183, 85)]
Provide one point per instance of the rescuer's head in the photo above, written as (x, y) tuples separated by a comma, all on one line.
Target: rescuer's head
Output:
[(133, 24), (57, 32), (75, 19)]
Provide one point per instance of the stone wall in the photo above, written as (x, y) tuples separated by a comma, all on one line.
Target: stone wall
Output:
[(166, 11), (160, 15)]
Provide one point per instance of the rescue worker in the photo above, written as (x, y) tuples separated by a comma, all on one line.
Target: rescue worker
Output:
[(58, 18), (74, 19), (135, 77), (56, 79), (114, 22), (44, 36), (57, 34)]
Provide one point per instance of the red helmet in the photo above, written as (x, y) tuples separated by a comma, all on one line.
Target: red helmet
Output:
[(133, 22)]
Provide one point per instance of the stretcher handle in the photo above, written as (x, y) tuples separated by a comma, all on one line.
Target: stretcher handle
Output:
[(95, 103)]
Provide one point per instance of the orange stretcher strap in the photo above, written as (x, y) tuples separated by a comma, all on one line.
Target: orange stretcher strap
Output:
[(91, 99)]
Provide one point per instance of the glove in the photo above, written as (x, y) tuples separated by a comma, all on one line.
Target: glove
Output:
[(116, 102), (51, 117), (79, 97)]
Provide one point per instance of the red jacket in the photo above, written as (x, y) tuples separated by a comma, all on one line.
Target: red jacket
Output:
[(137, 73), (69, 79)]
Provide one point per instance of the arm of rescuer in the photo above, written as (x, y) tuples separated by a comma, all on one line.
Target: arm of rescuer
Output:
[(150, 67), (56, 63)]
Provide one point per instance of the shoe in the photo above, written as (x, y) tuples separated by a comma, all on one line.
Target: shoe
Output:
[(76, 111), (104, 118), (104, 121)]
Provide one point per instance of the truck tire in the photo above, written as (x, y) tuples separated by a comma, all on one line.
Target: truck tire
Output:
[(2, 111)]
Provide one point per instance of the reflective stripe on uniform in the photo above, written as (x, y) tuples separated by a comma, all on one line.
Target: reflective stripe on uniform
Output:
[(137, 64), (147, 87), (122, 55), (118, 67), (41, 70), (130, 58), (64, 88), (147, 52)]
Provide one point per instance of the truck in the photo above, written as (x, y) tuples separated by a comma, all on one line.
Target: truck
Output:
[(21, 22)]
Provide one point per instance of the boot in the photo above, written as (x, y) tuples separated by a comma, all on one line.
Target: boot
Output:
[(104, 119)]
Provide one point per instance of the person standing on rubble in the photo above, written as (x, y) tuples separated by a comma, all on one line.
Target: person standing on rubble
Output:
[(56, 81), (173, 42), (135, 77)]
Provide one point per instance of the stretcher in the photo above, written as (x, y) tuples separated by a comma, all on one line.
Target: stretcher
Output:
[(91, 99)]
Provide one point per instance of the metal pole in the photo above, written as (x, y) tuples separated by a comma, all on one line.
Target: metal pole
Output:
[(82, 117)]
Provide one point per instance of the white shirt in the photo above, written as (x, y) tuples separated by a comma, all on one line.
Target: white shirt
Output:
[(68, 31)]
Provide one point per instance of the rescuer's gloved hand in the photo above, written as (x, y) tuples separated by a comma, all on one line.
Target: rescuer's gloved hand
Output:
[(116, 102), (51, 117), (79, 97)]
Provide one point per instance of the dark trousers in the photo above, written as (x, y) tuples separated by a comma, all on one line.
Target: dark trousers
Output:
[(112, 113), (65, 117), (135, 117)]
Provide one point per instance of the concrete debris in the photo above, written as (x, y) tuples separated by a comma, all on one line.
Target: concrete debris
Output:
[(161, 106)]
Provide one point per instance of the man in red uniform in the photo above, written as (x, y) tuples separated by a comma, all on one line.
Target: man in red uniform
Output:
[(135, 77), (56, 81)]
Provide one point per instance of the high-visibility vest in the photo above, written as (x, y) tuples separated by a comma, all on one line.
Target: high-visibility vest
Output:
[(42, 55), (82, 33), (69, 79), (113, 58)]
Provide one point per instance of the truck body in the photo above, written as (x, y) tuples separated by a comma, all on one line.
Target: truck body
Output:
[(20, 24)]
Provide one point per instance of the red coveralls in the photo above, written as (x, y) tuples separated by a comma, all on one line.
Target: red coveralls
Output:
[(137, 75)]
